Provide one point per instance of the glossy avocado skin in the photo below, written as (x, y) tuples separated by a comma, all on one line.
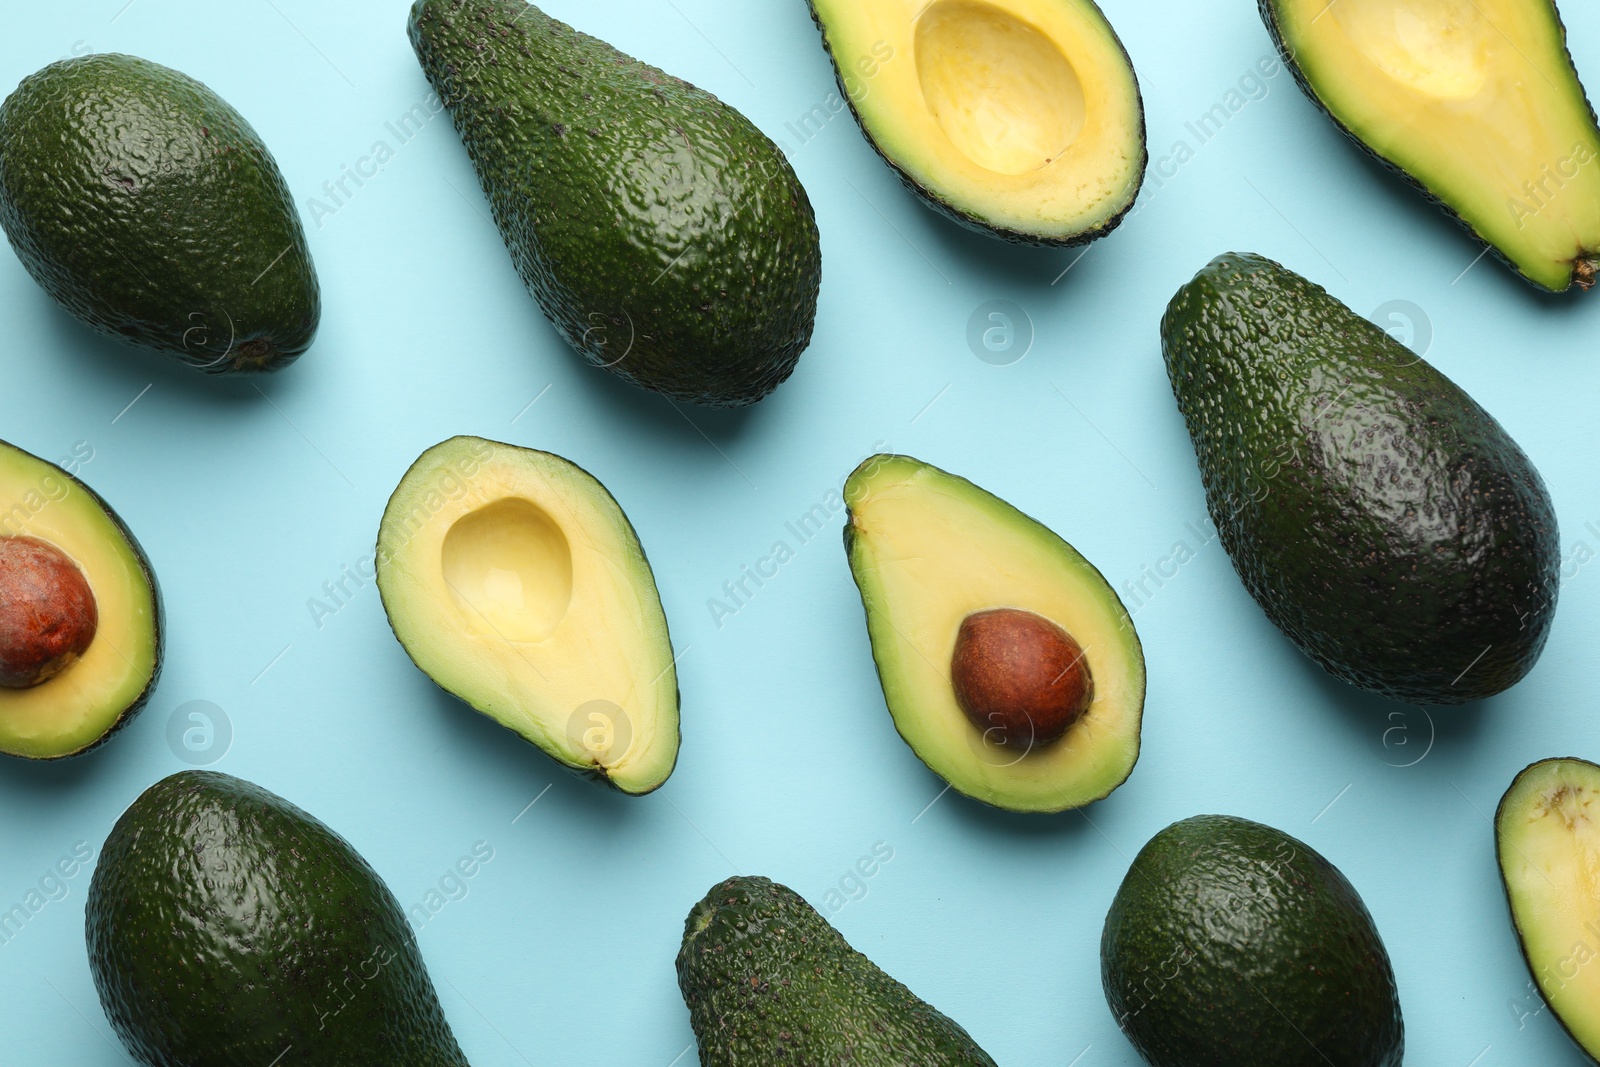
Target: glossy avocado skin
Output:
[(225, 925), (664, 235), (1382, 519), (768, 980), (1231, 943), (148, 208)]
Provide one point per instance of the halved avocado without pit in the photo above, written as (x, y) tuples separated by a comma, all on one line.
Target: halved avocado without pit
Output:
[(1008, 663), (513, 579), (1017, 118), (1476, 102), (1547, 836), (80, 613)]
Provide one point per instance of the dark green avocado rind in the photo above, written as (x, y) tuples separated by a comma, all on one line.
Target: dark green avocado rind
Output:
[(1382, 519), (226, 926), (665, 237), (1585, 270), (158, 619), (589, 772), (767, 980), (1132, 635), (973, 222), (148, 208), (1230, 942), (1505, 887)]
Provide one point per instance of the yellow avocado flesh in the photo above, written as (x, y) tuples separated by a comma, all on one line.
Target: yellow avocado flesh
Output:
[(1547, 833), (927, 549), (1023, 115), (1478, 101), (513, 580), (76, 708)]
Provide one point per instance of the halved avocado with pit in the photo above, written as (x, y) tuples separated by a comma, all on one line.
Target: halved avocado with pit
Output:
[(513, 579), (80, 613), (1017, 118), (1476, 102), (1547, 836), (1007, 661)]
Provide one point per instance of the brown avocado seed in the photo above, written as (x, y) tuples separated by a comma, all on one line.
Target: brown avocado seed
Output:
[(1020, 678), (48, 615)]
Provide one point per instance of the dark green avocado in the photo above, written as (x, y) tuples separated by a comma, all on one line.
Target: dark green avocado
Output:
[(1383, 520), (227, 926), (769, 981), (666, 237), (1231, 943), (148, 208)]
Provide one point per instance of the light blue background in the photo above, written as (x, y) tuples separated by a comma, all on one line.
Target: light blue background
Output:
[(248, 501)]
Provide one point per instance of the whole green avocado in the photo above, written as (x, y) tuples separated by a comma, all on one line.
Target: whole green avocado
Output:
[(148, 208), (1231, 943), (227, 926), (768, 980), (1383, 520), (666, 237)]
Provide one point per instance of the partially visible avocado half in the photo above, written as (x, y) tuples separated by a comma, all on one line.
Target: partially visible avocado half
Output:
[(513, 580), (1476, 103), (1020, 119), (1008, 663), (1548, 844), (80, 613)]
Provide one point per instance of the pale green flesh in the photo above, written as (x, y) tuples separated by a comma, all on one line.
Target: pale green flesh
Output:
[(1023, 115), (929, 548), (513, 580), (76, 708), (1547, 833), (1477, 101)]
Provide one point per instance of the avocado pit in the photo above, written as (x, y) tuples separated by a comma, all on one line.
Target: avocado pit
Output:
[(48, 615), (1021, 679)]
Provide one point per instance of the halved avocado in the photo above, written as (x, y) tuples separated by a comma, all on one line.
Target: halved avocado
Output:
[(1547, 835), (967, 597), (514, 581), (1018, 118), (66, 693), (1474, 101)]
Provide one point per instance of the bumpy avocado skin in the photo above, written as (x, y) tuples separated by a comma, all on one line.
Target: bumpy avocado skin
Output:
[(768, 981), (226, 926), (1586, 267), (148, 208), (665, 236), (1383, 520), (1231, 943)]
